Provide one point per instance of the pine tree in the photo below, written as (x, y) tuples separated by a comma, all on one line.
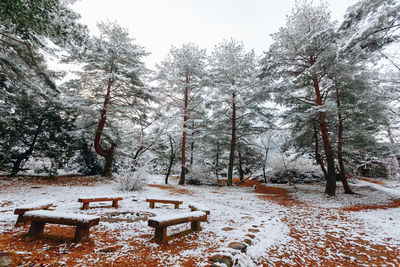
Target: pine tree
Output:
[(297, 61), (181, 81), (26, 84), (233, 73), (112, 74)]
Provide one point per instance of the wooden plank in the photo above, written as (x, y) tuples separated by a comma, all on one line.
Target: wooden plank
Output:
[(170, 201), (62, 218), (99, 199), (22, 210), (166, 201), (195, 207), (81, 233), (156, 222), (160, 235), (36, 228)]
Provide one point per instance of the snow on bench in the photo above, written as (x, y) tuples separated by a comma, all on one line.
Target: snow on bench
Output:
[(176, 202), (82, 222), (87, 200), (160, 223), (39, 205), (200, 207)]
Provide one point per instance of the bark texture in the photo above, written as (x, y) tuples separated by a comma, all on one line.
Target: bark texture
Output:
[(343, 175), (108, 154), (318, 156), (330, 188), (233, 141), (185, 118)]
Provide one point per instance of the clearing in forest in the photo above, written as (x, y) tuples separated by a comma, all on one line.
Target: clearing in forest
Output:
[(278, 225)]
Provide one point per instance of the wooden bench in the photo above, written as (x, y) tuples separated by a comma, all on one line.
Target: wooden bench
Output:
[(41, 205), (199, 207), (160, 223), (167, 201), (82, 222), (86, 201)]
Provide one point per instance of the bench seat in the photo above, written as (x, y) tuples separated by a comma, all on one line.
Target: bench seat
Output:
[(82, 222), (176, 202), (87, 200), (160, 223), (20, 211), (199, 207)]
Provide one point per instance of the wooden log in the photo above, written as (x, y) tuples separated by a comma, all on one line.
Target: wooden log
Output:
[(36, 229), (81, 233), (20, 211), (165, 201), (161, 235), (82, 222), (195, 226), (86, 201), (199, 207)]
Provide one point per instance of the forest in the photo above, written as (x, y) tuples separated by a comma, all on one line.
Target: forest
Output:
[(319, 106), (322, 90)]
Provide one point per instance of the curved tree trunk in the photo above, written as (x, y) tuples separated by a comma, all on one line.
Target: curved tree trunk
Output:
[(343, 175), (5, 157), (233, 141), (108, 154), (330, 187), (25, 156)]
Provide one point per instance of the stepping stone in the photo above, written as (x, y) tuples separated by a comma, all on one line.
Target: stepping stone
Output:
[(251, 236), (221, 259), (109, 249), (227, 229), (5, 259), (238, 246), (254, 230), (247, 241)]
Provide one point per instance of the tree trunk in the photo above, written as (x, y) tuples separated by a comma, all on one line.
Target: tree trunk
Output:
[(343, 175), (171, 159), (233, 141), (192, 146), (241, 172), (330, 188), (318, 156), (106, 153), (391, 139), (217, 161), (265, 163), (183, 168), (25, 156), (5, 157)]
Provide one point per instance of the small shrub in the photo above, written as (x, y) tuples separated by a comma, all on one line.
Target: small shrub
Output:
[(201, 175), (129, 180)]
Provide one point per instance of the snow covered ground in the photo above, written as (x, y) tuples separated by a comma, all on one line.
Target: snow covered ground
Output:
[(233, 212), (302, 231)]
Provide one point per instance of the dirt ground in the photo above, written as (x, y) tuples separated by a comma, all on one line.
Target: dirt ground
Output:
[(319, 236)]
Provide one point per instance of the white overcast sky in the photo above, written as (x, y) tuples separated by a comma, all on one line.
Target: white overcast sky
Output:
[(158, 24)]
